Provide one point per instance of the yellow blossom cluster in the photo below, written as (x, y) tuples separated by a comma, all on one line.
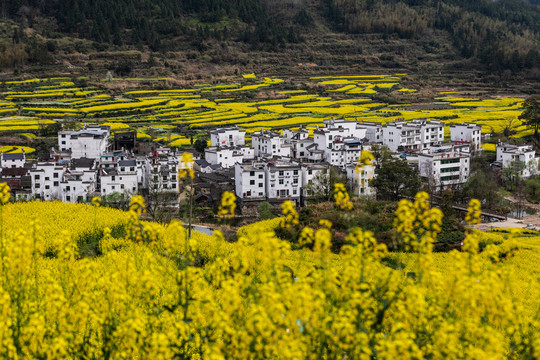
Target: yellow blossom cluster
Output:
[(342, 198), (186, 166), (171, 296), (228, 204), (290, 216)]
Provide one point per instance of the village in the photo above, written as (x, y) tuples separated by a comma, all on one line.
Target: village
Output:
[(291, 165)]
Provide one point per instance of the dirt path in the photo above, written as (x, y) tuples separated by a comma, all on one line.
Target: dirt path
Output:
[(527, 220)]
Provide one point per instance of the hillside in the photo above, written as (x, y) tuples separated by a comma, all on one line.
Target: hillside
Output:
[(165, 36), (150, 292)]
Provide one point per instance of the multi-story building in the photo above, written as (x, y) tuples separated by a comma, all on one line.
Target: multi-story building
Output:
[(90, 142), (470, 133), (46, 178), (521, 157), (78, 180), (227, 137), (359, 180), (162, 171), (445, 168), (226, 156), (283, 180), (374, 132), (121, 179), (269, 144), (250, 181), (344, 151), (417, 136)]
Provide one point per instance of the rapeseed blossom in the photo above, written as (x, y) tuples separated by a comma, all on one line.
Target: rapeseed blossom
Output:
[(290, 216), (228, 205), (342, 198)]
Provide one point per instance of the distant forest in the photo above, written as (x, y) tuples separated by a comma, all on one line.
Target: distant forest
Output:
[(501, 34)]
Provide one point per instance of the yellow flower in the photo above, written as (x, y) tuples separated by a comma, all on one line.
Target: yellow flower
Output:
[(4, 193), (365, 159), (342, 198), (474, 212), (290, 216), (228, 205), (96, 201), (186, 166)]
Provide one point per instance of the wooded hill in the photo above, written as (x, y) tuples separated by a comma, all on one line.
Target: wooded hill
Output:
[(494, 35)]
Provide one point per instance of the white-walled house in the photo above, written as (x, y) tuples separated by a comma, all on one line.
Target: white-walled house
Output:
[(352, 128), (283, 180), (90, 142), (359, 180), (417, 135), (161, 171), (445, 168), (13, 160), (250, 181), (46, 178), (508, 154), (227, 137), (300, 134), (374, 132), (344, 151), (470, 133), (224, 156), (267, 143)]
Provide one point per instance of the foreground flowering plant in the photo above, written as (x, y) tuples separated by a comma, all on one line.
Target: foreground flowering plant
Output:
[(151, 295)]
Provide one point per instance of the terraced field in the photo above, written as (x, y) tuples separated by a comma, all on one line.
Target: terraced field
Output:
[(157, 110)]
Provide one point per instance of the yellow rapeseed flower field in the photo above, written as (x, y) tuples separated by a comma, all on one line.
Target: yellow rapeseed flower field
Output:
[(153, 292)]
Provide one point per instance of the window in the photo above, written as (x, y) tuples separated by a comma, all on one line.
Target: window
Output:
[(37, 185), (329, 137), (47, 178), (295, 172), (309, 171), (173, 186), (260, 194), (281, 173), (113, 187), (46, 187), (251, 182), (121, 186), (260, 176), (294, 191), (260, 185), (67, 188), (68, 198), (63, 143), (55, 175), (252, 173), (280, 181), (273, 146), (133, 169), (55, 183), (295, 181), (113, 178)]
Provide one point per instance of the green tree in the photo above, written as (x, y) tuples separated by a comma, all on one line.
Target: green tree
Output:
[(266, 211), (322, 184), (200, 145), (531, 112), (395, 179), (483, 186)]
